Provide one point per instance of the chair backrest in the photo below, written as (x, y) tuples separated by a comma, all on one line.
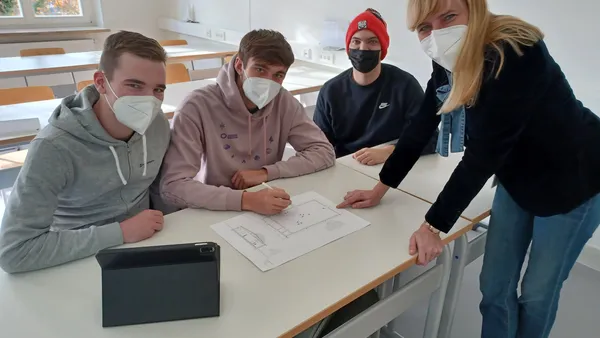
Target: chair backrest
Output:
[(25, 94), (177, 72), (83, 84), (41, 51), (165, 43)]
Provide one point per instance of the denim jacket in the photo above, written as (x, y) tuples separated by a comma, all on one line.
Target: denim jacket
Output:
[(452, 123)]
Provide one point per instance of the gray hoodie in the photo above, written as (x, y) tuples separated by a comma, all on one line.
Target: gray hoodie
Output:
[(76, 185)]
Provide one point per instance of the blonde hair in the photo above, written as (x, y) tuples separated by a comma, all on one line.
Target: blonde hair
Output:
[(484, 29)]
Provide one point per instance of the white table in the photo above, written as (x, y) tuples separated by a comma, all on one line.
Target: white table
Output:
[(42, 110), (72, 62), (65, 301), (425, 181), (302, 78)]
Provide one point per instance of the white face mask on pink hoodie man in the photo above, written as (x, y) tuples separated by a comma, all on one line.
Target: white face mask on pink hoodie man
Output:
[(260, 91), (214, 135)]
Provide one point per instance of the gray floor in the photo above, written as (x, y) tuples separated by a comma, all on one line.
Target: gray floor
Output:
[(578, 316)]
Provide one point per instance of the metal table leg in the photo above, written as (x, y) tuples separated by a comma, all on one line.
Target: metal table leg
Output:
[(436, 302), (433, 282), (459, 261)]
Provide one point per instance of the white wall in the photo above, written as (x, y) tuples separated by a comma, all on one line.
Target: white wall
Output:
[(134, 15), (226, 14), (571, 41)]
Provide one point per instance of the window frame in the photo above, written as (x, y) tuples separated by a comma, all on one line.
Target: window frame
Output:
[(28, 18)]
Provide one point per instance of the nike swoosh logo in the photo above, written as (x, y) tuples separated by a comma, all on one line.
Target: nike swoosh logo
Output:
[(384, 105)]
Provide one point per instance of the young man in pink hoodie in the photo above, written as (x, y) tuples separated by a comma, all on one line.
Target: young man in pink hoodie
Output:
[(231, 135)]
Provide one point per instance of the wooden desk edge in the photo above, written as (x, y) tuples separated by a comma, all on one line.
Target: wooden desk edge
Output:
[(20, 139), (215, 55), (306, 90)]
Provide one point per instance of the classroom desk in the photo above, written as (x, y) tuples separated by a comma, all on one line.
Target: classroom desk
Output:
[(302, 78), (10, 165), (73, 62), (425, 181), (42, 110), (65, 301)]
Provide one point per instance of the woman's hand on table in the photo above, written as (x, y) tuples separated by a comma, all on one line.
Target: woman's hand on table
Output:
[(360, 199), (427, 244)]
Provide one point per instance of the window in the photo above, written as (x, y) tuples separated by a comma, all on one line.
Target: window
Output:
[(10, 8), (57, 8), (47, 13)]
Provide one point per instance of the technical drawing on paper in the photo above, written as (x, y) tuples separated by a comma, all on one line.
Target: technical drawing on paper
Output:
[(309, 223), (299, 217), (253, 239)]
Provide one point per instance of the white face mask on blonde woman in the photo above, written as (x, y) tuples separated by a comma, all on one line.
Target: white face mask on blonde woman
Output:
[(444, 45)]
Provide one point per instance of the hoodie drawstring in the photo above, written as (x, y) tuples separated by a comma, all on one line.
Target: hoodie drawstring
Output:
[(145, 155), (249, 136), (112, 150), (114, 153), (265, 139)]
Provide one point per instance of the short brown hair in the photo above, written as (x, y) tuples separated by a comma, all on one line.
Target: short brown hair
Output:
[(129, 42), (266, 45)]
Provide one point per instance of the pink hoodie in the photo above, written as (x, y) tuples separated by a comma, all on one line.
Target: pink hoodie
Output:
[(214, 136)]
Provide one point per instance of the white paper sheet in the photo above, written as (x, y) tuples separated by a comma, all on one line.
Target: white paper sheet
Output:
[(308, 224)]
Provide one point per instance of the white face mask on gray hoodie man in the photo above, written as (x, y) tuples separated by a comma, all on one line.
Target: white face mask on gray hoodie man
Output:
[(76, 185)]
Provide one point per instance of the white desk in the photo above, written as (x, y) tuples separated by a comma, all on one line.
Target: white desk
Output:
[(42, 110), (425, 181), (428, 178), (302, 78), (71, 62), (65, 301)]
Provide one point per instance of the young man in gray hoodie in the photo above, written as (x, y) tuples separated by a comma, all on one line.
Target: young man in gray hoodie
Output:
[(85, 183)]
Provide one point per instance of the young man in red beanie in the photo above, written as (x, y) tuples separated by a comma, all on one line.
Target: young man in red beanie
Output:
[(377, 99)]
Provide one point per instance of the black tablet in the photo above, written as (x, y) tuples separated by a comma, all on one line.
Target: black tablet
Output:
[(159, 283)]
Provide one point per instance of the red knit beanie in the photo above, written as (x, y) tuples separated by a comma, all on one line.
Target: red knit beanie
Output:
[(369, 20)]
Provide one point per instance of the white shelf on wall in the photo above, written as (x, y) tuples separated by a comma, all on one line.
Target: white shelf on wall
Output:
[(200, 31)]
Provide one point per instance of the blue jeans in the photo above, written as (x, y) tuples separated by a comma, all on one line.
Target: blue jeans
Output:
[(556, 242)]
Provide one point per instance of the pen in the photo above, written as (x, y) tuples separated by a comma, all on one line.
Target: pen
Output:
[(269, 187)]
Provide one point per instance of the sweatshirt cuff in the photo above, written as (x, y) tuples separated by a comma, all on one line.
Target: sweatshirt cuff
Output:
[(272, 172), (438, 220), (233, 200), (109, 235)]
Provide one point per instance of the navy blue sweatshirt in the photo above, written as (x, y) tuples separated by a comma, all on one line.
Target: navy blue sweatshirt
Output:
[(526, 127), (354, 116)]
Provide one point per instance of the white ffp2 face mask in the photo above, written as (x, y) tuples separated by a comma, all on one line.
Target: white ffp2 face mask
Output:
[(444, 45), (136, 112), (259, 90)]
